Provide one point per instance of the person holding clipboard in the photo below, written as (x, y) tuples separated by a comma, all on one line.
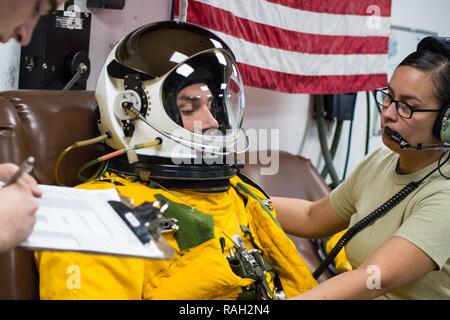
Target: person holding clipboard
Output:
[(17, 198), (17, 203)]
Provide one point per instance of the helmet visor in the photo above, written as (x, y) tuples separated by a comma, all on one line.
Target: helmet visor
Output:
[(204, 94)]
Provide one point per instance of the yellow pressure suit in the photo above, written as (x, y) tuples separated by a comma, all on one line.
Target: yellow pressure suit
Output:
[(199, 269), (340, 262)]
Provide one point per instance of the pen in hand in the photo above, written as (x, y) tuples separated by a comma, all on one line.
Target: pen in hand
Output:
[(25, 168)]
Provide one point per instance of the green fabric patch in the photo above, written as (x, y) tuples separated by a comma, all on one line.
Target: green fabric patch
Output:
[(195, 227), (243, 188)]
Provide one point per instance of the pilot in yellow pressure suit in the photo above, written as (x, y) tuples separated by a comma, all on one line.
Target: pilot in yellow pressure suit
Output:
[(178, 84)]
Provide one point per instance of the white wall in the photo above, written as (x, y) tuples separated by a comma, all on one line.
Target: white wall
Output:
[(109, 26)]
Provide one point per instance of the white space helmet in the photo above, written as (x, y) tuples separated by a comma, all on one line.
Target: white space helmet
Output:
[(175, 81)]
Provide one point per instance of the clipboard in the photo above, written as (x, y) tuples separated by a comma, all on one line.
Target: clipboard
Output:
[(96, 221)]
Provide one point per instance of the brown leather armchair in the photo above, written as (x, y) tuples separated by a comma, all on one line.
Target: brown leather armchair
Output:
[(43, 123)]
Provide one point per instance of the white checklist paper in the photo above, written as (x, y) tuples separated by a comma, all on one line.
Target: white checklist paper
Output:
[(70, 219)]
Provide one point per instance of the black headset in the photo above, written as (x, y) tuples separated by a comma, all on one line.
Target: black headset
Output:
[(441, 45)]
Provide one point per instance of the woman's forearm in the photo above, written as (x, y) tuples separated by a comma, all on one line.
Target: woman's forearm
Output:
[(308, 219), (293, 215), (351, 285), (388, 268)]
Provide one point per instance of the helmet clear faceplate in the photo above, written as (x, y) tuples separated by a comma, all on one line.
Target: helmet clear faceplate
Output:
[(204, 94)]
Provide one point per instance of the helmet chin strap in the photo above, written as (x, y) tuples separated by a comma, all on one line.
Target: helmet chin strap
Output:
[(129, 107)]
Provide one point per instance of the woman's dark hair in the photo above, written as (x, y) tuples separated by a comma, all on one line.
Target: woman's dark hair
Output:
[(439, 66)]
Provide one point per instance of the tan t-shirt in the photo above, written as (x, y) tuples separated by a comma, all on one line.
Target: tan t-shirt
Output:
[(423, 218)]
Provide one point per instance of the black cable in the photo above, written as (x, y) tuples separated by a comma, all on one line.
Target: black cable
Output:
[(347, 157), (172, 10), (334, 146), (440, 165), (364, 223), (367, 123), (318, 101), (371, 218), (336, 138)]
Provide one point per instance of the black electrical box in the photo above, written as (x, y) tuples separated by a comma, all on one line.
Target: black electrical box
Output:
[(106, 4), (339, 106), (60, 44)]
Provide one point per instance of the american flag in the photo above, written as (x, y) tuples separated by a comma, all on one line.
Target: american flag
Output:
[(301, 46)]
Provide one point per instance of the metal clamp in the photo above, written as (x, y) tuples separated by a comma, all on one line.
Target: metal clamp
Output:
[(146, 221)]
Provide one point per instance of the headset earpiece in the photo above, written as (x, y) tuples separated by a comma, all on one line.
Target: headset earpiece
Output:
[(441, 128)]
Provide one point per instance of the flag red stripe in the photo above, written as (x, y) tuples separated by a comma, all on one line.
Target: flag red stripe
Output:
[(351, 7), (224, 21), (292, 83)]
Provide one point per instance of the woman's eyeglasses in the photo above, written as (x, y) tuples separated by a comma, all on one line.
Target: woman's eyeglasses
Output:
[(404, 110)]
